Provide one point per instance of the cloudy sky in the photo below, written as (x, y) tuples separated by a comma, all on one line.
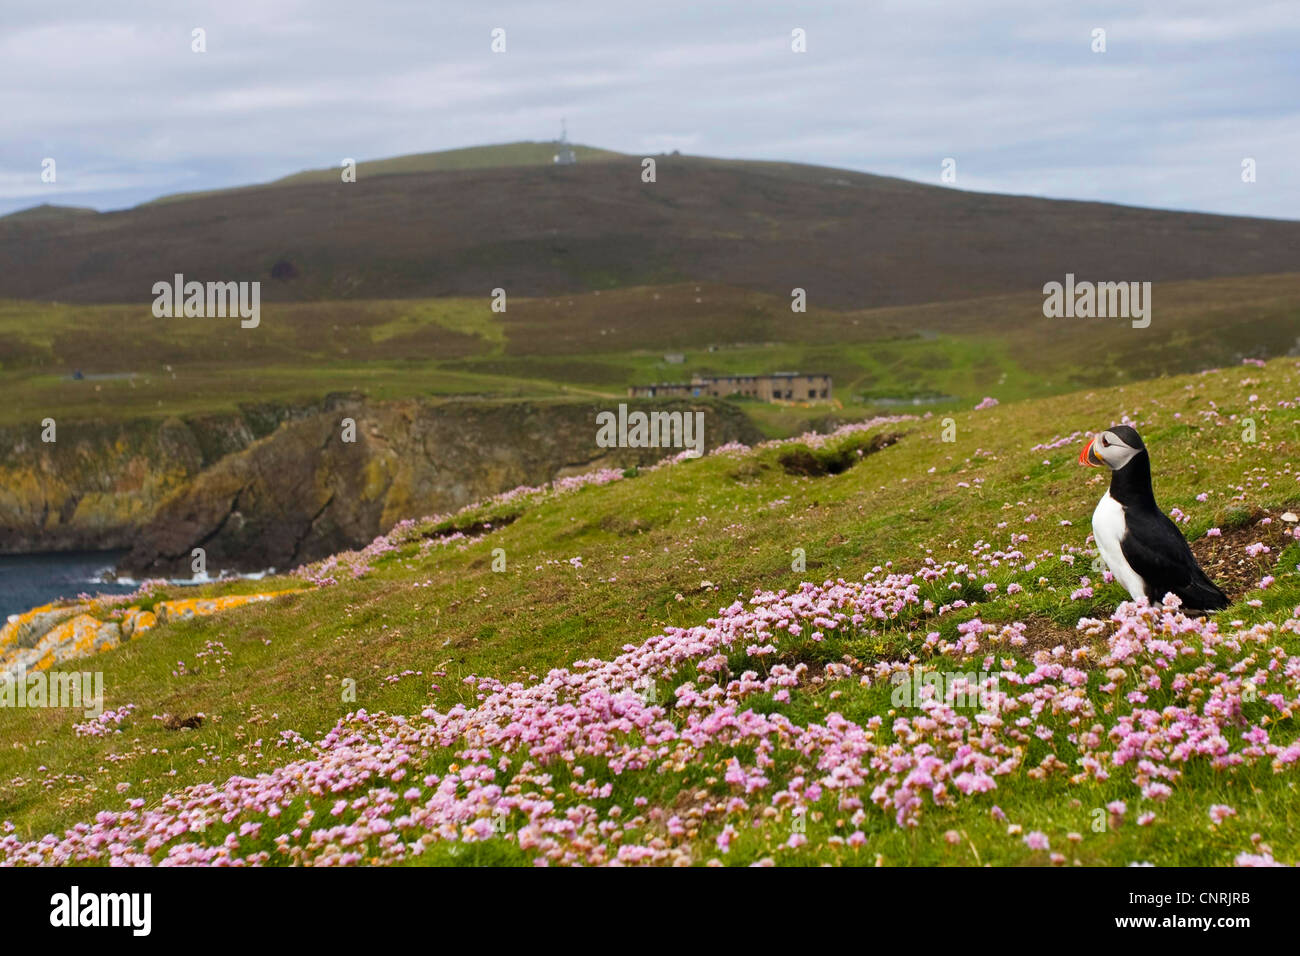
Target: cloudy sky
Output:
[(1013, 91)]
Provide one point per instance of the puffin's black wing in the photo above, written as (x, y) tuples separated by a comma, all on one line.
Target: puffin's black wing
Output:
[(1157, 550)]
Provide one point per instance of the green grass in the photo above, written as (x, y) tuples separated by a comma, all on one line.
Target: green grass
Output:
[(448, 160), (734, 522), (946, 356)]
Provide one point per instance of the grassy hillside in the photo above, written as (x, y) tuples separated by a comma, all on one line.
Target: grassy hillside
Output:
[(767, 731), (945, 355), (48, 212), (851, 240), (471, 157)]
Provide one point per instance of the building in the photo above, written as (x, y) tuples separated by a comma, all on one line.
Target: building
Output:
[(777, 387)]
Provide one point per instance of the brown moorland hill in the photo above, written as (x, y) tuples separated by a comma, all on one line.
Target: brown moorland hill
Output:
[(851, 240)]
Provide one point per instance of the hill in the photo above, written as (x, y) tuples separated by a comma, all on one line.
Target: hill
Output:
[(471, 157), (462, 227), (48, 212), (724, 660)]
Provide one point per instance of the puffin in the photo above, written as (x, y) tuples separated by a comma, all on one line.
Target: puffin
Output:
[(1139, 543)]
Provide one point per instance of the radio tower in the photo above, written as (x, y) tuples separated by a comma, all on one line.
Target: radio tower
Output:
[(564, 154)]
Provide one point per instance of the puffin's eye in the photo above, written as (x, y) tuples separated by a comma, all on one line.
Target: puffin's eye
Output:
[(1104, 443)]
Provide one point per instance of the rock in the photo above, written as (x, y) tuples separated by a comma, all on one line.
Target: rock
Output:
[(274, 486), (303, 493), (107, 636), (27, 630), (101, 482), (1290, 517), (135, 622), (47, 635)]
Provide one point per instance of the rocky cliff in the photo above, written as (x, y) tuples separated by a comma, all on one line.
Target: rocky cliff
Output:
[(275, 487), (97, 483)]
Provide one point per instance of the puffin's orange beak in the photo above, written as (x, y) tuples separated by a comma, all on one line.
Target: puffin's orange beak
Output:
[(1087, 457)]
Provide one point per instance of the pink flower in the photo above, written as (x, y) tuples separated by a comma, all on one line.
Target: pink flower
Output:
[(725, 837), (1037, 840), (1159, 792), (1220, 812)]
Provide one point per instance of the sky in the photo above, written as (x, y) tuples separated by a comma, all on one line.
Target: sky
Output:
[(1013, 92)]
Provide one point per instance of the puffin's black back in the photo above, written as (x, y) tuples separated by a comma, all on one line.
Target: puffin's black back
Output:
[(1153, 546), (1157, 550)]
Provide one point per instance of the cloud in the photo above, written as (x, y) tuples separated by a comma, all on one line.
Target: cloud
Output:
[(1012, 90)]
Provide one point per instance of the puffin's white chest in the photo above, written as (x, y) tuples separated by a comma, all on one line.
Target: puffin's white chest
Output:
[(1109, 528)]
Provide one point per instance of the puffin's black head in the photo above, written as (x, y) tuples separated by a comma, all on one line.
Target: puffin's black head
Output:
[(1114, 448)]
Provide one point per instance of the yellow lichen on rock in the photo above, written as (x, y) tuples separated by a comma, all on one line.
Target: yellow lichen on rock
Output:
[(183, 609), (75, 637), (135, 622), (23, 630), (51, 634)]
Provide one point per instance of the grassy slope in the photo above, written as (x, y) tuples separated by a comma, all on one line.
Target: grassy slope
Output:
[(733, 522), (49, 211), (471, 157), (602, 342)]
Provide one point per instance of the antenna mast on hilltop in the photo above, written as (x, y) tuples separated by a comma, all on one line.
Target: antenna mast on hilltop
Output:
[(564, 154)]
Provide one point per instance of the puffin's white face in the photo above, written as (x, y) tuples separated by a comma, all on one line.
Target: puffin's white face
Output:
[(1111, 449)]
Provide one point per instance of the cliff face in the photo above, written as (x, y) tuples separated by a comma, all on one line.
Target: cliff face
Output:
[(97, 484), (277, 487)]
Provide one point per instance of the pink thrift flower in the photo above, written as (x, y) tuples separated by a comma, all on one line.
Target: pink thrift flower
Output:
[(1220, 812), (1037, 840)]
